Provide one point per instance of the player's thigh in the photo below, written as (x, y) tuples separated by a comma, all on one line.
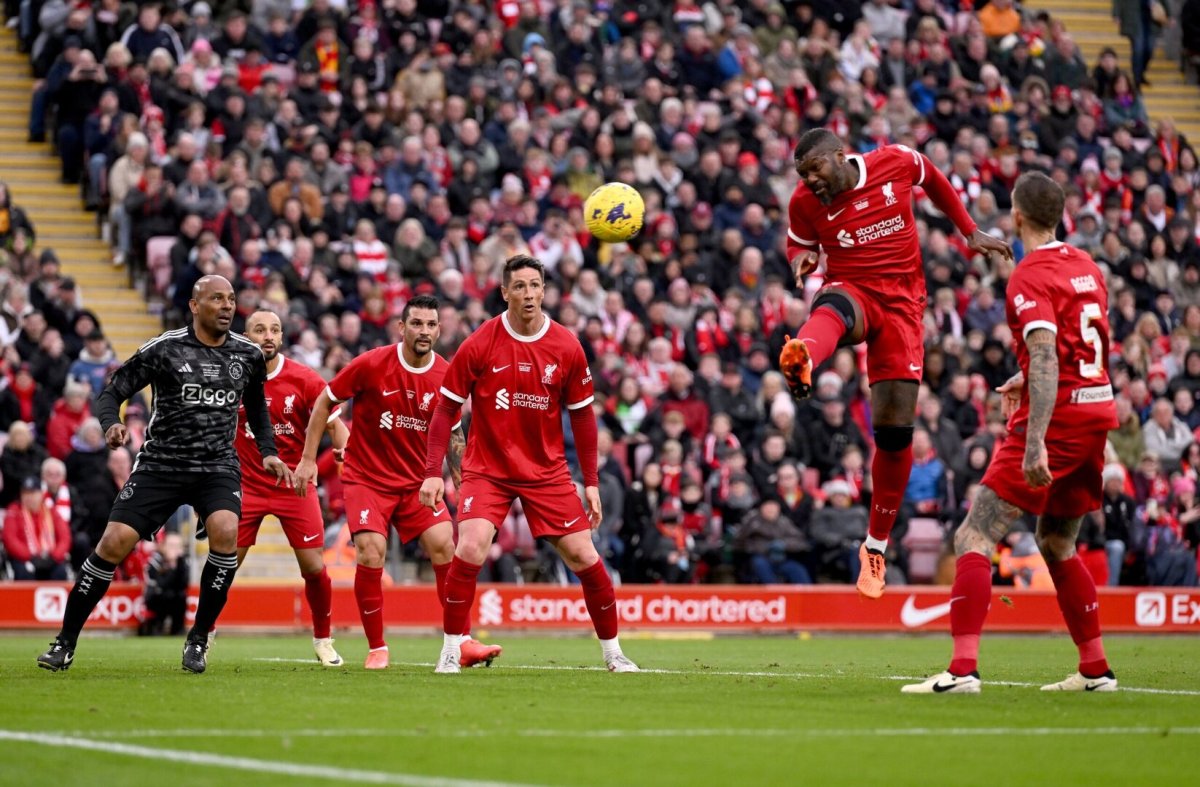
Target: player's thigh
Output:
[(412, 520), (148, 499), (1076, 460), (577, 549), (554, 509), (300, 518), (896, 339), (368, 509), (894, 402), (217, 498), (254, 508), (1006, 477), (483, 498)]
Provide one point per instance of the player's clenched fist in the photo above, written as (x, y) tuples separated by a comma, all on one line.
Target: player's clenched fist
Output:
[(432, 492), (116, 436)]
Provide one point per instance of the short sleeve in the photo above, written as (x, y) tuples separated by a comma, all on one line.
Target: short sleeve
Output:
[(460, 377), (349, 381), (577, 383), (1030, 303)]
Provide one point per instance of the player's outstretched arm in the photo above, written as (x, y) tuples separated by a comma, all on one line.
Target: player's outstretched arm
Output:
[(318, 422), (1043, 391), (947, 201)]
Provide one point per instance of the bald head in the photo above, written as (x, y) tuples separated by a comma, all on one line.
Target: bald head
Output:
[(265, 329), (212, 306), (207, 285)]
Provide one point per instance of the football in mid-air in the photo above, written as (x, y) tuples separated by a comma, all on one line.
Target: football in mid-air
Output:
[(614, 212)]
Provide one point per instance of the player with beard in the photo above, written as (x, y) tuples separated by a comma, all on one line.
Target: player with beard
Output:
[(858, 210), (291, 389), (198, 376), (395, 393)]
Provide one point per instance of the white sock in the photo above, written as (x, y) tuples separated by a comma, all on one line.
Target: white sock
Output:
[(451, 640), (877, 544), (610, 647)]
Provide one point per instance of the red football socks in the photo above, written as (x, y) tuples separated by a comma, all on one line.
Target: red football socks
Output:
[(600, 598), (368, 592), (822, 332), (889, 471), (318, 589), (1081, 609), (970, 598), (440, 570), (459, 591)]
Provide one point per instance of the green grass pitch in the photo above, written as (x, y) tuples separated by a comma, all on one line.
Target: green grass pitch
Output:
[(823, 710)]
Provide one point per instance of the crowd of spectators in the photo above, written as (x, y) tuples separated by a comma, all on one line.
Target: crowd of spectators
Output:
[(333, 158)]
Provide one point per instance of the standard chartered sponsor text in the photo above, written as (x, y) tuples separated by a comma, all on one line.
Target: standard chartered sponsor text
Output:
[(656, 609)]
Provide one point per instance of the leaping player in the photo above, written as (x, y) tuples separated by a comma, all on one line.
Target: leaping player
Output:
[(858, 209)]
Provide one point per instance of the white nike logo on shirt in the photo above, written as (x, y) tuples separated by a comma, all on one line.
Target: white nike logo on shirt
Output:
[(912, 367), (573, 521), (832, 216), (500, 368), (309, 538), (389, 393)]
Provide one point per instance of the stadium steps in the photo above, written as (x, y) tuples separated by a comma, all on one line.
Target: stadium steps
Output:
[(32, 174), (271, 560), (1091, 24)]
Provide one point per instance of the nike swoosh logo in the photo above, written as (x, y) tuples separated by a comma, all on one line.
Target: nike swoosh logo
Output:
[(1091, 687), (912, 367), (912, 617), (389, 393), (832, 216), (610, 606), (941, 687), (372, 611), (573, 521), (309, 538), (500, 368), (439, 513), (70, 657)]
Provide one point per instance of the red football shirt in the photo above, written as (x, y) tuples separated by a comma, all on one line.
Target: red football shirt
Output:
[(393, 403), (518, 387), (868, 229), (290, 392), (1059, 288)]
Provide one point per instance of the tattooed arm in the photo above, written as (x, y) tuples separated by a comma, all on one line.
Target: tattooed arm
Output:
[(458, 444), (1043, 391)]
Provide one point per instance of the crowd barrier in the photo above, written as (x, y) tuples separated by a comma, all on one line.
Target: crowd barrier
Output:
[(736, 608)]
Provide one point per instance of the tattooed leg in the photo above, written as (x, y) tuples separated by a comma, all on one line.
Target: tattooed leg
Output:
[(987, 522)]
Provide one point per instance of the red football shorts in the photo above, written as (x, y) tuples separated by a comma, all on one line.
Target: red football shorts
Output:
[(552, 508), (893, 310), (300, 517), (1076, 457), (371, 510)]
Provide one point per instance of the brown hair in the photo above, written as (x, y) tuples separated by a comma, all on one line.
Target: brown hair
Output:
[(1039, 199)]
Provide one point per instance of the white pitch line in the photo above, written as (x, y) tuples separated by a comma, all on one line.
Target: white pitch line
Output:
[(275, 767), (893, 732), (729, 673)]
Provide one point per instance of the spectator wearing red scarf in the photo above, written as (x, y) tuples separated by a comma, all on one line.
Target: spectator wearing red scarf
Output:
[(35, 536)]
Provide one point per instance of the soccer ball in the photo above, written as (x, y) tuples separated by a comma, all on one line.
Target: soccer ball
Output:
[(614, 212)]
